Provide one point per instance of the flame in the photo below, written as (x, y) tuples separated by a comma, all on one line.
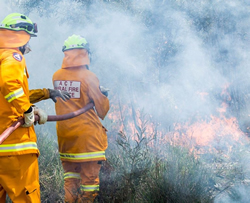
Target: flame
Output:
[(203, 133), (208, 132)]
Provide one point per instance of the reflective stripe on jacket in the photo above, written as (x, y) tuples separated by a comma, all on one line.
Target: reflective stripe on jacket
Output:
[(14, 101), (18, 147), (14, 95), (83, 156), (82, 138)]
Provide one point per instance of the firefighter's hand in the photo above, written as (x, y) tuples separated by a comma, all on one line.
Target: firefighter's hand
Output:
[(29, 117), (104, 90), (43, 117), (57, 93)]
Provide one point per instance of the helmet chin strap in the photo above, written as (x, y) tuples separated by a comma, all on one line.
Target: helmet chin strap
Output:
[(25, 49)]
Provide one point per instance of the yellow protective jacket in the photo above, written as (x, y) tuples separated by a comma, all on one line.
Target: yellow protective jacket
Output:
[(82, 138), (37, 95), (14, 101)]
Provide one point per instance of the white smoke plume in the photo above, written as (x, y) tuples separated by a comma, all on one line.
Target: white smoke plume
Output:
[(158, 55)]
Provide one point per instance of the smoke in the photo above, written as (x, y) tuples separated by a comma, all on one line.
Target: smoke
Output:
[(161, 56), (201, 48)]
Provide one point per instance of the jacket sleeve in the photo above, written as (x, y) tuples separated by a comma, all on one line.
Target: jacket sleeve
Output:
[(101, 101), (12, 84), (37, 95)]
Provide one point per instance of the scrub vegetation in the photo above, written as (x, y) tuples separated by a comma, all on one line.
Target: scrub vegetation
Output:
[(168, 63), (143, 170), (139, 169)]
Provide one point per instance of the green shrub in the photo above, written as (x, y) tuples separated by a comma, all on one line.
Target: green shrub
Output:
[(137, 172), (51, 172)]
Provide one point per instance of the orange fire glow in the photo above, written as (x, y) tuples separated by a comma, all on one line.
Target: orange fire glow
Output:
[(204, 132)]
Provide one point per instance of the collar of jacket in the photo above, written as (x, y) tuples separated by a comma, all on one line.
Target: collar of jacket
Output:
[(13, 39), (75, 57)]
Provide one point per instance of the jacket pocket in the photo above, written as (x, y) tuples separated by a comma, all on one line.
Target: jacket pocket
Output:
[(32, 192)]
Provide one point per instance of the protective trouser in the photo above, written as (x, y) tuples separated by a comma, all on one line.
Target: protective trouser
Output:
[(19, 178), (81, 181)]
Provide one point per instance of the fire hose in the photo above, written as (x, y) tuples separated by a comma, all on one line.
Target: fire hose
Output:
[(20, 122)]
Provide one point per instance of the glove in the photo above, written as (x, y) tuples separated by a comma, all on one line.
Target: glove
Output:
[(57, 93), (42, 115), (29, 118), (104, 90)]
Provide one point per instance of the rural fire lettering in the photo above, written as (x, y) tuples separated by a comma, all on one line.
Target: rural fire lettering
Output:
[(72, 87)]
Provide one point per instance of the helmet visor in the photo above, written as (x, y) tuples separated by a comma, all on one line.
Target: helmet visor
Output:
[(27, 26)]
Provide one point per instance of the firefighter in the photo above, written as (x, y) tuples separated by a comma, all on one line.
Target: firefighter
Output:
[(82, 140), (19, 153)]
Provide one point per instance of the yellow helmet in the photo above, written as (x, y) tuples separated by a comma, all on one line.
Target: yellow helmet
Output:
[(19, 22), (75, 42)]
